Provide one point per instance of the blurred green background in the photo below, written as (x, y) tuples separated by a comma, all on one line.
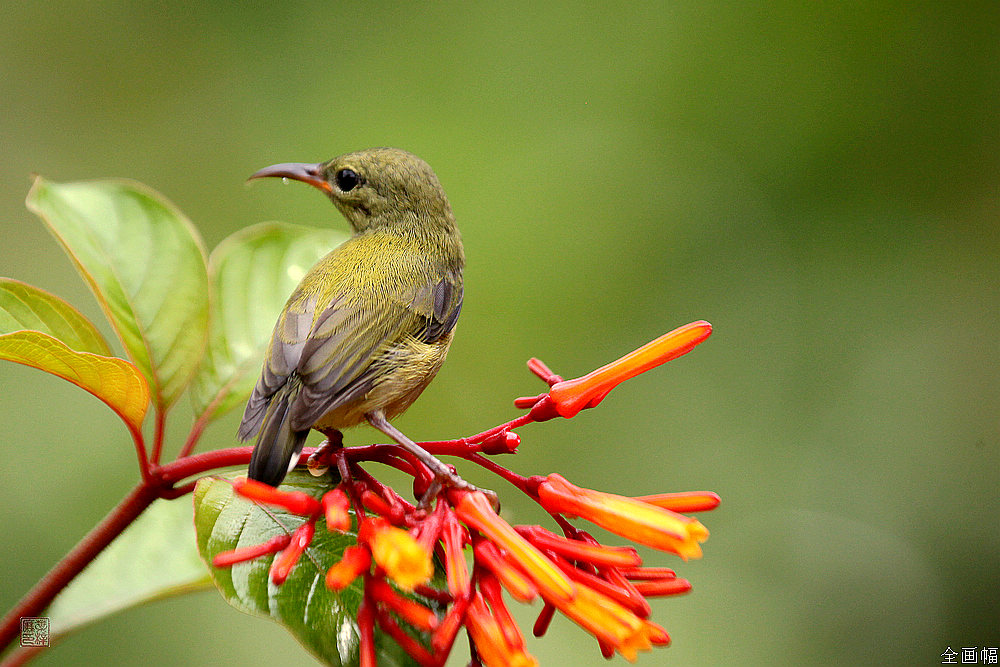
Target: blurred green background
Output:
[(819, 180)]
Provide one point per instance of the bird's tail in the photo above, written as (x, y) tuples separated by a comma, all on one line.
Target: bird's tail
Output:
[(277, 443)]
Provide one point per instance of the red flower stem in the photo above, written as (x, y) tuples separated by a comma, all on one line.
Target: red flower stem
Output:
[(35, 602), (522, 483), (509, 426)]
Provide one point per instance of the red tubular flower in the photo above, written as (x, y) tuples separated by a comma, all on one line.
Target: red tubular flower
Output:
[(375, 504), (412, 612), (544, 619), (295, 502), (414, 648), (610, 622), (452, 533), (490, 588), (627, 596), (598, 554), (490, 640), (335, 505), (444, 636), (475, 510), (630, 518), (661, 587), (366, 629), (571, 396), (286, 560), (353, 563), (273, 545), (690, 501), (488, 556), (404, 560)]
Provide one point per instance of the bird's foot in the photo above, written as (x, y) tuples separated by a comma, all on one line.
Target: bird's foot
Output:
[(319, 461)]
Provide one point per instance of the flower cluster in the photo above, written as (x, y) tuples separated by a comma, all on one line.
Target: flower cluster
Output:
[(604, 589)]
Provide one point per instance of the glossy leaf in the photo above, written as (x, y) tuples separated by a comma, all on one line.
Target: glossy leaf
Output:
[(253, 272), (23, 306), (322, 620), (115, 381), (156, 557), (144, 262)]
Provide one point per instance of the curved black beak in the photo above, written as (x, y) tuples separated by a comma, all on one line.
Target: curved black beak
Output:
[(298, 171)]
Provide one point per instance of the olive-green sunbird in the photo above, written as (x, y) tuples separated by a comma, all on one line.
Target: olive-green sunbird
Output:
[(370, 324)]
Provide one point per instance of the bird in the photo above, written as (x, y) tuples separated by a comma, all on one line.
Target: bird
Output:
[(370, 324)]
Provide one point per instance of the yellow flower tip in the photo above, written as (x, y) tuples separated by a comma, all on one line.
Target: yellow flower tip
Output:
[(475, 511), (404, 560), (492, 644), (631, 518), (614, 626), (571, 396)]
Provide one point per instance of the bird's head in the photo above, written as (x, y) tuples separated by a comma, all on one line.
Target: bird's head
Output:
[(375, 187)]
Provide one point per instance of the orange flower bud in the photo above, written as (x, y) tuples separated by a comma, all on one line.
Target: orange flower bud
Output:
[(628, 517), (283, 563), (356, 559), (295, 502), (688, 501), (571, 396), (273, 545), (335, 506)]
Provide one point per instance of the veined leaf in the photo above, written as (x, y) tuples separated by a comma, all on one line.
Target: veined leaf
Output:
[(24, 306), (156, 557), (252, 273), (115, 381), (144, 261), (322, 620)]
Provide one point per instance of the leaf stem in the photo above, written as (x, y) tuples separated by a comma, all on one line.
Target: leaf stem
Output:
[(161, 419), (196, 430)]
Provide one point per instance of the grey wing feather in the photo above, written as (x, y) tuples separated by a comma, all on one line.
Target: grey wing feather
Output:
[(331, 356), (431, 314), (282, 357)]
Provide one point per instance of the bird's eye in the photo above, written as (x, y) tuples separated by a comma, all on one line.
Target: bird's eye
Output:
[(347, 180)]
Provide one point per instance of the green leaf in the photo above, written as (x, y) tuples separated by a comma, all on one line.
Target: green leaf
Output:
[(322, 620), (144, 261), (115, 381), (252, 273), (23, 306), (156, 557)]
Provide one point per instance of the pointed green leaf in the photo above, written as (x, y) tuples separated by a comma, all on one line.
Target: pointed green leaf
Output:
[(156, 557), (252, 273), (115, 381), (144, 262), (322, 620), (23, 306)]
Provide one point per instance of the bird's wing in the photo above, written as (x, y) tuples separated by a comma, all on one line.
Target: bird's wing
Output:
[(332, 353), (336, 365)]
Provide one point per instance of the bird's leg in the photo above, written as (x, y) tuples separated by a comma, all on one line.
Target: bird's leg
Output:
[(443, 475)]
